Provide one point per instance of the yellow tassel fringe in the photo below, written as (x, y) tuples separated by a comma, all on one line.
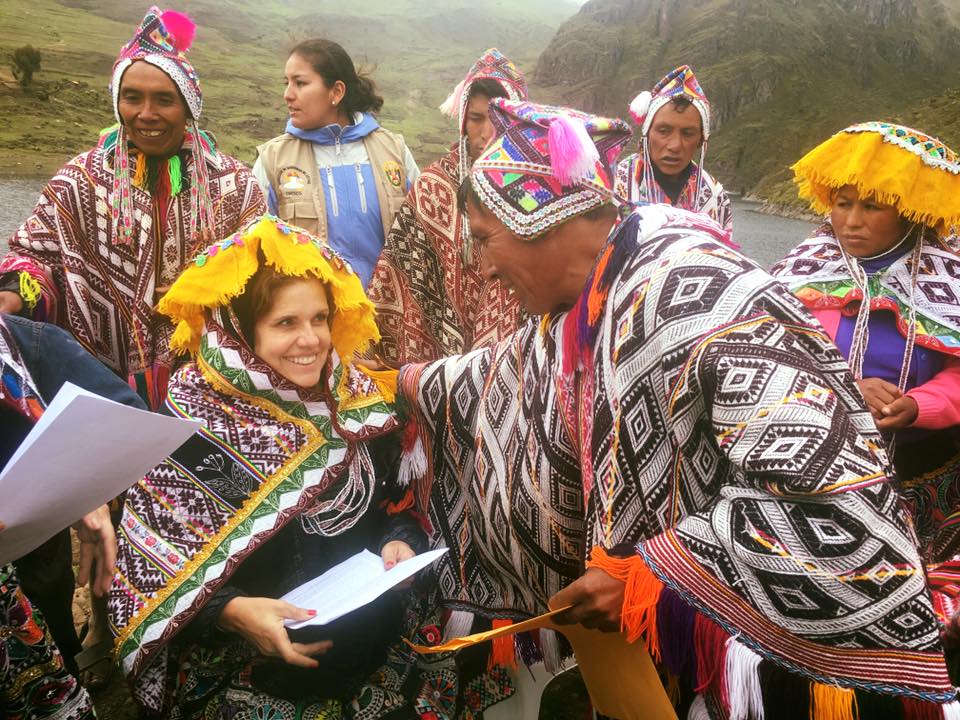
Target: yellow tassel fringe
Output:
[(30, 291), (221, 274), (386, 381), (140, 171), (891, 174), (829, 702)]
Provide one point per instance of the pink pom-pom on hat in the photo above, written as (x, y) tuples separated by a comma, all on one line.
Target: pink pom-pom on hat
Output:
[(162, 40), (573, 155), (181, 28), (546, 164)]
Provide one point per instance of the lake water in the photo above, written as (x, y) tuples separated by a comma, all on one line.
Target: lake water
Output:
[(765, 238)]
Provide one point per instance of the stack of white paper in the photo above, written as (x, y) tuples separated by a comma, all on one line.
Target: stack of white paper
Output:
[(355, 582), (82, 452)]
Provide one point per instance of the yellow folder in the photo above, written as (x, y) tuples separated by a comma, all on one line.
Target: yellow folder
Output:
[(621, 678)]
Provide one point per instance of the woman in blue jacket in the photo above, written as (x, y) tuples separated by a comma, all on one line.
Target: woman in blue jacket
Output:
[(335, 172)]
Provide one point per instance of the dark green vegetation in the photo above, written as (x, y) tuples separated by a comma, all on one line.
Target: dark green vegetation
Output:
[(419, 50), (781, 75), (26, 61)]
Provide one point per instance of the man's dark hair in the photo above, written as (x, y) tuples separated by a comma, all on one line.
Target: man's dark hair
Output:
[(681, 102), (467, 194), (487, 86)]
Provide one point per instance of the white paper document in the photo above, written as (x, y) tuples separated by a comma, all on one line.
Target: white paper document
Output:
[(357, 581), (82, 452)]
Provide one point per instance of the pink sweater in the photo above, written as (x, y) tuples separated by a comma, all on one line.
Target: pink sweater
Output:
[(938, 399)]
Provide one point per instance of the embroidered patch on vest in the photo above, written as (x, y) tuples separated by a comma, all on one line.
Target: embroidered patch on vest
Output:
[(293, 180), (391, 168)]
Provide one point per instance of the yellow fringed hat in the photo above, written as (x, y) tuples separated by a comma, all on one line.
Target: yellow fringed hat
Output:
[(897, 165), (221, 272)]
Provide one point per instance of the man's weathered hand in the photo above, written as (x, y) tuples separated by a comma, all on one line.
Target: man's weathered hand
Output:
[(596, 599), (159, 292)]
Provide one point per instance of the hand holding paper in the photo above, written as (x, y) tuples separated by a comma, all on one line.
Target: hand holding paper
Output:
[(260, 621), (594, 600), (355, 582)]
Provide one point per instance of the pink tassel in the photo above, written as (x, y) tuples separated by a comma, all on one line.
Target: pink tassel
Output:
[(181, 28), (451, 106), (573, 156)]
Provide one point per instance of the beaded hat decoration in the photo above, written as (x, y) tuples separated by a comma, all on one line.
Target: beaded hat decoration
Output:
[(162, 40), (492, 65), (896, 165), (222, 271), (678, 82), (546, 165)]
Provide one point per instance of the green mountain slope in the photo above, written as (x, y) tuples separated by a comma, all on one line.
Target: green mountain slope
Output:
[(418, 50), (781, 75)]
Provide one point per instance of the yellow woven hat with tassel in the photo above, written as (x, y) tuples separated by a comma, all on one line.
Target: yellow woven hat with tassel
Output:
[(221, 272), (897, 165)]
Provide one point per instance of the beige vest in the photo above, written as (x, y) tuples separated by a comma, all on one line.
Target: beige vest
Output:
[(292, 170)]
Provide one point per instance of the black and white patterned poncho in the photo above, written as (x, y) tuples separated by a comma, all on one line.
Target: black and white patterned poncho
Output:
[(711, 431)]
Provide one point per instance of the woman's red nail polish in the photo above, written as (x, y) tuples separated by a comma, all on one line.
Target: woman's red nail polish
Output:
[(311, 613)]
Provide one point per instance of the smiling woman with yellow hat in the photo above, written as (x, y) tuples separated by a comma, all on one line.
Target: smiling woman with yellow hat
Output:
[(292, 473)]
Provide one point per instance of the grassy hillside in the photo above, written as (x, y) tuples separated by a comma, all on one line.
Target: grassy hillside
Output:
[(781, 75), (417, 49)]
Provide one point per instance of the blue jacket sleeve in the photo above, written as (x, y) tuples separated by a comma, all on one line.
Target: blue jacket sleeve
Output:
[(53, 357)]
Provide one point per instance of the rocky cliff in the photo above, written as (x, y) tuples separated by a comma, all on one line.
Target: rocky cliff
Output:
[(781, 75)]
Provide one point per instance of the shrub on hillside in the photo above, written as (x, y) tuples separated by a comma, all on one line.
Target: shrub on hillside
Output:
[(26, 61)]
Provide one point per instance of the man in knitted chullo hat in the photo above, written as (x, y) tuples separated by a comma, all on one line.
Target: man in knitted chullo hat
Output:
[(674, 120), (674, 448), (431, 298), (112, 229), (117, 224)]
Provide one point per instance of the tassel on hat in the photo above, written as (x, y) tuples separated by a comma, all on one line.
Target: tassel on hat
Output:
[(180, 27), (451, 106), (639, 107), (545, 165), (573, 155)]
